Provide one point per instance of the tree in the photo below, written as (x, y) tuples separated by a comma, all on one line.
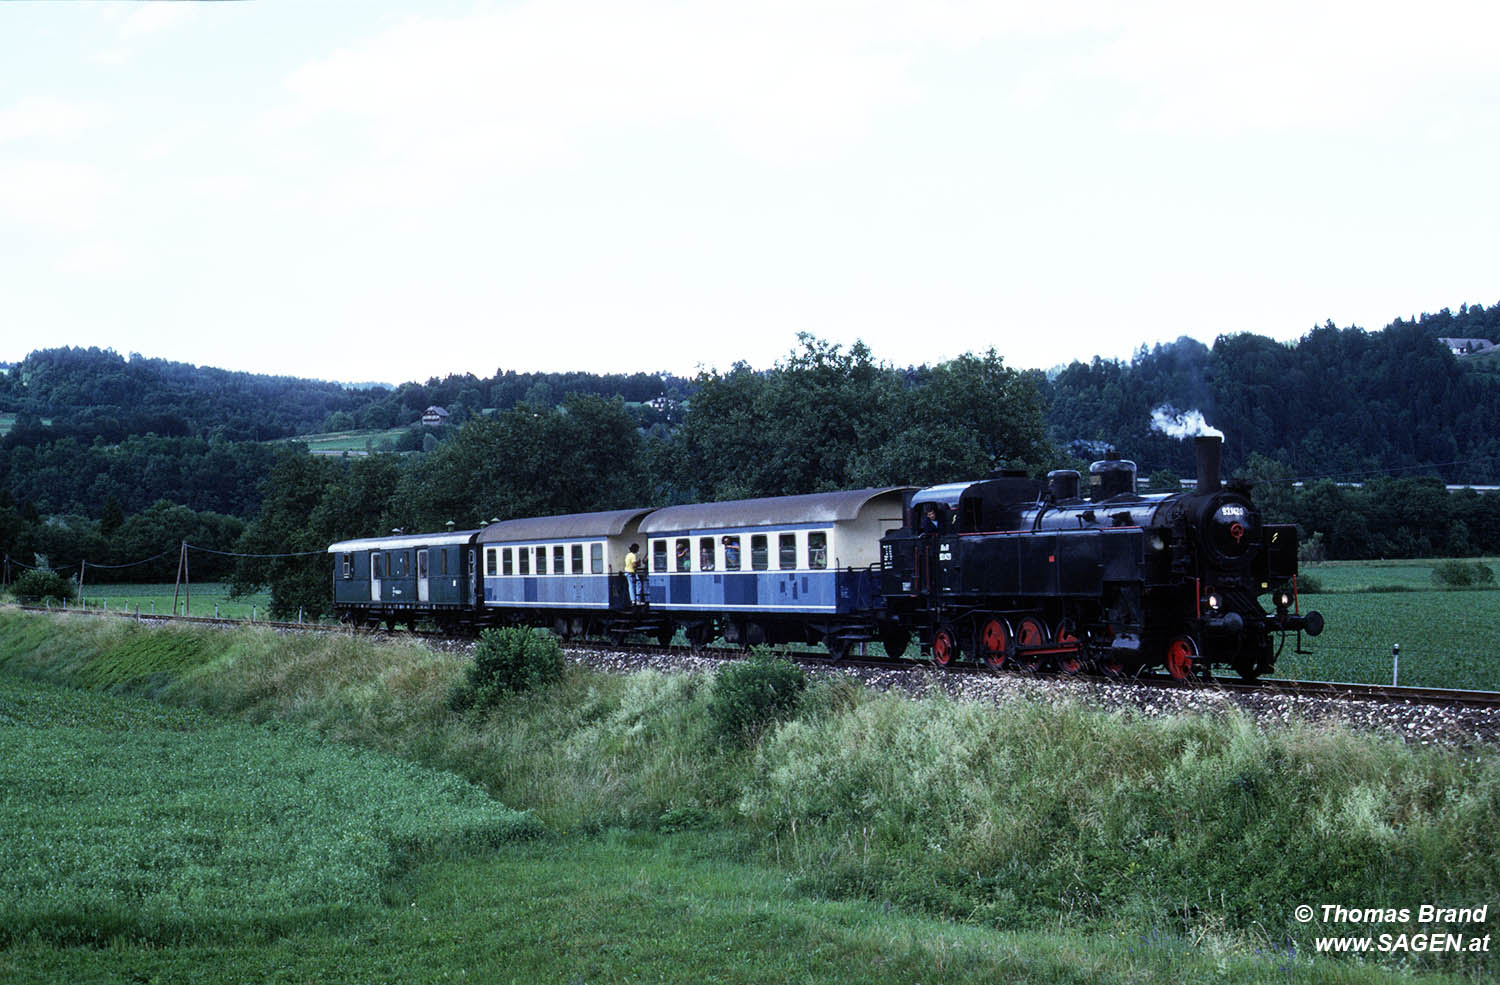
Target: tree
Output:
[(290, 559)]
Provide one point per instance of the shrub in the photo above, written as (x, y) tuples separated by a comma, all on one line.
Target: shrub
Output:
[(748, 696), (34, 586), (509, 660), (1462, 574), (1309, 585)]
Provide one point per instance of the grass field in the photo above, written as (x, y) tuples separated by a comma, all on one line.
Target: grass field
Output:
[(209, 598), (871, 839), (1448, 637), (206, 827), (354, 442), (1336, 577)]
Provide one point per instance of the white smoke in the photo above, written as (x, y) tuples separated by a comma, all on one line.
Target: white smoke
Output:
[(1182, 424)]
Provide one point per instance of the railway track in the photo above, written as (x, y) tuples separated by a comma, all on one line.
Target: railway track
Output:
[(1326, 690)]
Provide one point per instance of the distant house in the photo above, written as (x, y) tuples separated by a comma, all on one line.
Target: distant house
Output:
[(435, 417), (1467, 347)]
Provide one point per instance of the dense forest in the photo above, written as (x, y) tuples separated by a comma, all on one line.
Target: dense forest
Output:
[(1339, 403), (116, 459)]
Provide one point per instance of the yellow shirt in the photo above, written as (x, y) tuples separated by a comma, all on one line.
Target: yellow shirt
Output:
[(630, 562)]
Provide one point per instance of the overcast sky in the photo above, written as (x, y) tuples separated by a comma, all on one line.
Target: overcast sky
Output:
[(359, 191)]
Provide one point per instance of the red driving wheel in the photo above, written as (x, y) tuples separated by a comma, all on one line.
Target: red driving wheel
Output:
[(1181, 653), (944, 647), (1031, 633), (996, 641)]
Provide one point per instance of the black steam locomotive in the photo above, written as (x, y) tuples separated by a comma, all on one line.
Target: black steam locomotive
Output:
[(1021, 573)]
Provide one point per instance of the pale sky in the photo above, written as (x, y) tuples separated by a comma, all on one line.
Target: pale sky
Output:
[(382, 191)]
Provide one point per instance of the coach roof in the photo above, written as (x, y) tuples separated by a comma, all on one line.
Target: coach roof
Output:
[(570, 526), (771, 512), (396, 542)]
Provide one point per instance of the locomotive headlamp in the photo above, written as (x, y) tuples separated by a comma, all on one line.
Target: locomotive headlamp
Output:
[(1283, 599), (1213, 601)]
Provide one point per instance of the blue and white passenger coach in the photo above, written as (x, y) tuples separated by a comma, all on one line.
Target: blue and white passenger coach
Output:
[(564, 570), (778, 570)]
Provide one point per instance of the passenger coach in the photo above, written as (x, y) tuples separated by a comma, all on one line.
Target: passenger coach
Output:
[(403, 578), (564, 571), (788, 569)]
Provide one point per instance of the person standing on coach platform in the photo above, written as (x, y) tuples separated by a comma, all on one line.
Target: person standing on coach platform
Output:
[(632, 574)]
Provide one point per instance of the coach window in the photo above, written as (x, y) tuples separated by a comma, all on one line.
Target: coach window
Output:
[(489, 562), (731, 553), (421, 564), (541, 560), (559, 566), (523, 555), (760, 559), (817, 549), (596, 558), (375, 567), (658, 556), (508, 562), (788, 559), (684, 554), (348, 566), (442, 560), (577, 559), (705, 554)]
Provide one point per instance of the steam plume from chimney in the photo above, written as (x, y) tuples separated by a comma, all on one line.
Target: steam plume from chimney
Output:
[(1182, 424)]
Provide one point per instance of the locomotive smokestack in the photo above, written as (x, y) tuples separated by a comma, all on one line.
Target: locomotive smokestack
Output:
[(1207, 447)]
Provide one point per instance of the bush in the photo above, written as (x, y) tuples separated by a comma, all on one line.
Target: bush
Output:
[(35, 586), (1309, 585), (748, 696), (509, 660), (1462, 574)]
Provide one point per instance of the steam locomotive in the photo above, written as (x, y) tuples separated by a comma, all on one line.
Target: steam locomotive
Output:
[(1009, 570), (1016, 572)]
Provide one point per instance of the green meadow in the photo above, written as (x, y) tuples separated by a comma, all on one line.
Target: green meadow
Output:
[(357, 442), (208, 599), (1449, 637), (188, 804)]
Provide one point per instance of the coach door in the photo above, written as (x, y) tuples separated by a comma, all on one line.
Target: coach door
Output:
[(422, 575), (377, 571)]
